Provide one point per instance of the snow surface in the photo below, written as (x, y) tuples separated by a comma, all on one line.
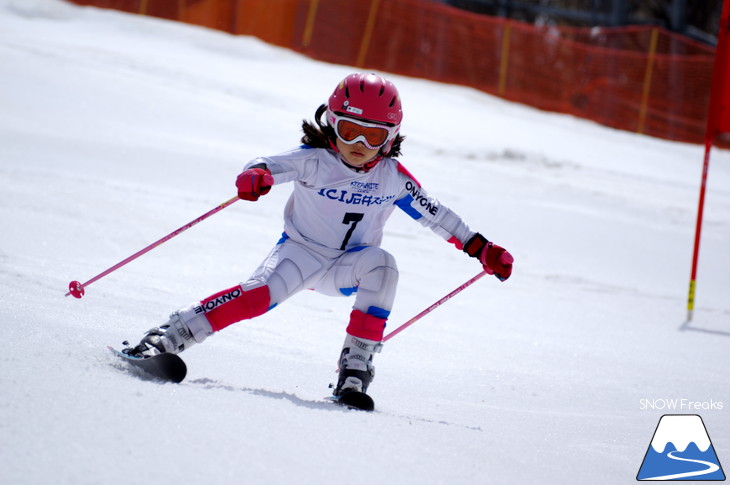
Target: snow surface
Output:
[(117, 129)]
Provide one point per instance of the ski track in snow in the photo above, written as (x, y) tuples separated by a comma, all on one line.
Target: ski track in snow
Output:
[(311, 404)]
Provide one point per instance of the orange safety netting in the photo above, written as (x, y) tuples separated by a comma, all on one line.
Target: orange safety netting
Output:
[(641, 79)]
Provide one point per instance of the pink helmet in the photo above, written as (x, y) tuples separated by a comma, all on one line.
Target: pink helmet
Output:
[(369, 98)]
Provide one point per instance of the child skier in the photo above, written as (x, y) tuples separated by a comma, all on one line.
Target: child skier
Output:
[(346, 185)]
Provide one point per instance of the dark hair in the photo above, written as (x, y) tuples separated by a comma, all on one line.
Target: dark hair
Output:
[(322, 135)]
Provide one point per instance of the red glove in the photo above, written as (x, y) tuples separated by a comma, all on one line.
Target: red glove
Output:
[(254, 182), (495, 259)]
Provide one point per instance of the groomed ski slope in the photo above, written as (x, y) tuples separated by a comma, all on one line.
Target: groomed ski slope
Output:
[(117, 129)]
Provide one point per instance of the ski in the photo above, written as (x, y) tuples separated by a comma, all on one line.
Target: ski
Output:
[(354, 400), (165, 367)]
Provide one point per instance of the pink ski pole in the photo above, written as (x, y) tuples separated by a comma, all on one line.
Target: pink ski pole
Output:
[(433, 307), (76, 288)]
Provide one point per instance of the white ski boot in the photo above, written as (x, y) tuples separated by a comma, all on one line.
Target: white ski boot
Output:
[(184, 329), (356, 365)]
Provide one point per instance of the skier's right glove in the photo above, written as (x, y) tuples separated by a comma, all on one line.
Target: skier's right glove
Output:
[(495, 259), (254, 182)]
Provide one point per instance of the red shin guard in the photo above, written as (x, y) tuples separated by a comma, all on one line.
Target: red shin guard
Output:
[(366, 326), (233, 305)]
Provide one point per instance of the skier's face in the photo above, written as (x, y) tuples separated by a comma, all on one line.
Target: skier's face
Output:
[(357, 154)]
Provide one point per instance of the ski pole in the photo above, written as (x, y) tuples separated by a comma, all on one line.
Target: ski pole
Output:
[(433, 307), (76, 288)]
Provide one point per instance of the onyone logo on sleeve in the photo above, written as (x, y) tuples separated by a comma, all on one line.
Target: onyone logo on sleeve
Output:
[(420, 199), (211, 305)]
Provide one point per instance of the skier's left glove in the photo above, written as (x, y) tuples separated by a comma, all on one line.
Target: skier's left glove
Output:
[(495, 259)]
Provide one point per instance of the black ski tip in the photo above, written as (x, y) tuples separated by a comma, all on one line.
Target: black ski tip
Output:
[(166, 367), (357, 400), (174, 366)]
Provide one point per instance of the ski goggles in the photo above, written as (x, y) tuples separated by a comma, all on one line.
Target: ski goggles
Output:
[(372, 135)]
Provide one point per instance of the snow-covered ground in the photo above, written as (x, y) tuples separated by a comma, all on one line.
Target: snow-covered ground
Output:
[(117, 129)]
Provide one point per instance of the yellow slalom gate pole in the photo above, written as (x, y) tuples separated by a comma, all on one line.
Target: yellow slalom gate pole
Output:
[(647, 80), (309, 26), (365, 44), (503, 64)]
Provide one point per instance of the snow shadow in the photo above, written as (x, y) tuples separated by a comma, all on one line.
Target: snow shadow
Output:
[(686, 326)]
